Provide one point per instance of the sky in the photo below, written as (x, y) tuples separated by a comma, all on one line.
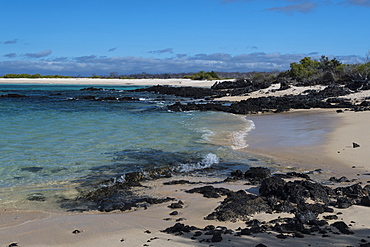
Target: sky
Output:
[(99, 37)]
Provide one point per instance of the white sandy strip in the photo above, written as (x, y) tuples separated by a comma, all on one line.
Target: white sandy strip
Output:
[(113, 82), (273, 91)]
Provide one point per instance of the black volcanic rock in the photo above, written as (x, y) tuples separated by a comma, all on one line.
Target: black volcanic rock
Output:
[(210, 191), (238, 206), (188, 92), (180, 228), (257, 174), (246, 84), (342, 227)]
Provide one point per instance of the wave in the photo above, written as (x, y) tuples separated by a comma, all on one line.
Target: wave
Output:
[(239, 140), (206, 162)]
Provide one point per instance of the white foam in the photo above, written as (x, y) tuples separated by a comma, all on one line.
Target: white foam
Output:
[(207, 162), (239, 140), (207, 133)]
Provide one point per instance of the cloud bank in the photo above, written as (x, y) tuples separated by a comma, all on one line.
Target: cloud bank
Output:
[(88, 65)]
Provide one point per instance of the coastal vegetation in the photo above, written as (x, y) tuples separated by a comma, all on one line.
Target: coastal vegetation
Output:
[(201, 75), (33, 76), (309, 71)]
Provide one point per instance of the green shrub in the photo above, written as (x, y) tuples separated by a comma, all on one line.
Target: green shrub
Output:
[(201, 75)]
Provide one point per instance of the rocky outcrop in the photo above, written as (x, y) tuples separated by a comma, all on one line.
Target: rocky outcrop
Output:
[(117, 194), (279, 195), (246, 84), (188, 92)]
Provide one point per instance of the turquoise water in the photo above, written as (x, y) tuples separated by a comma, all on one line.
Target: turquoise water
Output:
[(57, 139)]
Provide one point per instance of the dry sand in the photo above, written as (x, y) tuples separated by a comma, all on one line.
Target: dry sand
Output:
[(335, 155)]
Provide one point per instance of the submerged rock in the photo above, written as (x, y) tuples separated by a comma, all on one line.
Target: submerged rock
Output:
[(13, 95), (39, 197)]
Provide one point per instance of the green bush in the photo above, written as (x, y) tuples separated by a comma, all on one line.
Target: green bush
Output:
[(201, 75), (308, 69)]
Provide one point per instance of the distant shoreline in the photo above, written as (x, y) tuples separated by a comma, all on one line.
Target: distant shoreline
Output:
[(108, 82)]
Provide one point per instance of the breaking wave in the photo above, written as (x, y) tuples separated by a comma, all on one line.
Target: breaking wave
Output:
[(239, 140), (206, 162)]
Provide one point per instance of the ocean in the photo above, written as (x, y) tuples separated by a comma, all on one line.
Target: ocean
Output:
[(58, 139)]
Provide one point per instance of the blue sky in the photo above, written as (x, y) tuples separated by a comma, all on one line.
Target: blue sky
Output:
[(81, 37)]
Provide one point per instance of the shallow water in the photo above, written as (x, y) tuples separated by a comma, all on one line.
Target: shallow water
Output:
[(52, 143)]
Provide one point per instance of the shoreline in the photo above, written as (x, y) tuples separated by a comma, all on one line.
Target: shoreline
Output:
[(109, 82), (334, 154)]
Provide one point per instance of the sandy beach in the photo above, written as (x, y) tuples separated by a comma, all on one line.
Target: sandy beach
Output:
[(328, 148)]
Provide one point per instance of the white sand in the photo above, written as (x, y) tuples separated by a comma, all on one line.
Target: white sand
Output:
[(272, 91)]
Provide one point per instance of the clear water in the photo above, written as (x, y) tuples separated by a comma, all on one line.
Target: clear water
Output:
[(51, 143)]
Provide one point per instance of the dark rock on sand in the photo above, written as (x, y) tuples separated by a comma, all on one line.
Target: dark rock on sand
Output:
[(254, 175), (331, 217), (353, 192), (175, 205), (239, 205), (355, 145), (293, 175), (365, 201), (210, 191), (342, 227), (116, 194), (178, 182), (257, 174), (281, 196), (344, 202), (339, 180), (216, 237), (245, 84), (296, 191), (261, 245), (180, 228)]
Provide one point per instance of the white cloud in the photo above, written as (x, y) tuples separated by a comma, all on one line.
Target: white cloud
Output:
[(88, 65)]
